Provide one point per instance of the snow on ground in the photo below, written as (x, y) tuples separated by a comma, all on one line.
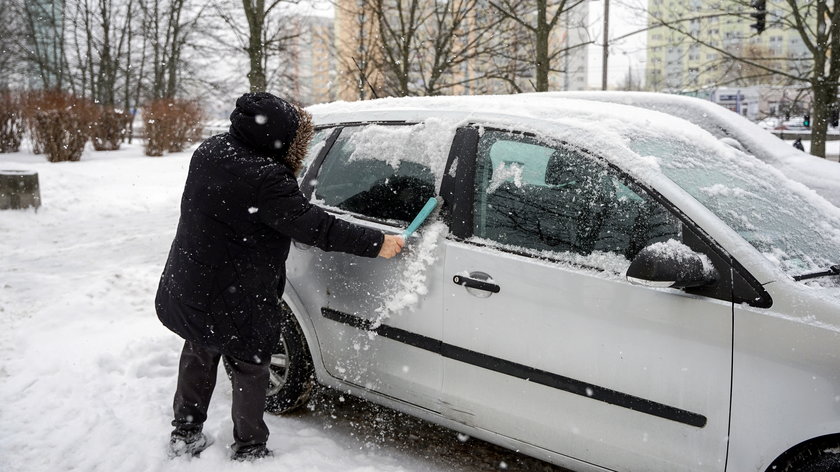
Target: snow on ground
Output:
[(832, 148), (87, 372)]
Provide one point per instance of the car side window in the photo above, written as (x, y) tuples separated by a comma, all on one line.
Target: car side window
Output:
[(373, 180), (541, 197)]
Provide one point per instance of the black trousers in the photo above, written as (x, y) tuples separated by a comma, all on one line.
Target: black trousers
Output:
[(197, 378)]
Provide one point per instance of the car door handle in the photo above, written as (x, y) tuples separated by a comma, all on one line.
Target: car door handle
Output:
[(477, 284)]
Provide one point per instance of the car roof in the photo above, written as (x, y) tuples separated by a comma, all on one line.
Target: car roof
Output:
[(604, 127), (687, 108), (525, 108)]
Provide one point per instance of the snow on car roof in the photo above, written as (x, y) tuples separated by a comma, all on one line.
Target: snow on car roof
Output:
[(603, 127), (524, 108)]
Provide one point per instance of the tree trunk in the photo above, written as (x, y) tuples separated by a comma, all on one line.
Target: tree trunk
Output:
[(255, 14), (256, 75), (543, 32), (19, 189), (821, 114)]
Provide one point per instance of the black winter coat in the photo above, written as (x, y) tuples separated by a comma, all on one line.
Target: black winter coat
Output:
[(225, 273)]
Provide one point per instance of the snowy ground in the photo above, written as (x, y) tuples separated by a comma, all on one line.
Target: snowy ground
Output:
[(832, 148), (87, 372)]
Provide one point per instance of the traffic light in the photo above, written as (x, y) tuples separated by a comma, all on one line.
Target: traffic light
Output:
[(760, 15), (806, 122), (835, 118)]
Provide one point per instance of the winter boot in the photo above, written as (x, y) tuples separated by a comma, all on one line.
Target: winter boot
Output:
[(188, 444), (250, 453)]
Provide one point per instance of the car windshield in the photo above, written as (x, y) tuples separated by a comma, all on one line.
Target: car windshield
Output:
[(790, 228)]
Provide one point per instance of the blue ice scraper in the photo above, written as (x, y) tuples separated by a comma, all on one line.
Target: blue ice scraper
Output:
[(424, 213)]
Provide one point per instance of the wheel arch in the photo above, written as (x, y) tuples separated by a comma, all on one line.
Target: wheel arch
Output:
[(296, 306), (825, 441)]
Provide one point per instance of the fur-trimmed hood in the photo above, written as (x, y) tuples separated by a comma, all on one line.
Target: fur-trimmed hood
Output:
[(269, 124)]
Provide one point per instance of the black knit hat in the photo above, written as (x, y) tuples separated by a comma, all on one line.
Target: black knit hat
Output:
[(265, 122)]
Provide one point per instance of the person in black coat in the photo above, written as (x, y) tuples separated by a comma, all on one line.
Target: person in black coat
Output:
[(220, 289)]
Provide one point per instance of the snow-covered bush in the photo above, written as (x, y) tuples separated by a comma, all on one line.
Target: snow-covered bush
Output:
[(109, 128), (62, 134), (11, 122), (171, 124), (59, 124)]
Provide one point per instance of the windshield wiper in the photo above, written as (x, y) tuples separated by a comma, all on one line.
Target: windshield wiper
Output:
[(833, 270)]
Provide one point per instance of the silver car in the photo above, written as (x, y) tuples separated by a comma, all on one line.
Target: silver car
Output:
[(603, 287)]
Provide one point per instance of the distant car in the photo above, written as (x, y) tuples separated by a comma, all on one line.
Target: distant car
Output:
[(770, 123), (820, 175), (604, 287)]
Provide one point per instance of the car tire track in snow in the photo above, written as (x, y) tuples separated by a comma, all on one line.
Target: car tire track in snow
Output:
[(379, 428)]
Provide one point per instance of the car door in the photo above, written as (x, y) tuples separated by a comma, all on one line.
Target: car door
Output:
[(372, 175), (550, 345)]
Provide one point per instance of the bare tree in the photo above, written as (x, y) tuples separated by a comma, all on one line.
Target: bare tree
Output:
[(44, 26), (102, 36), (357, 51), (399, 22), (817, 23), (265, 35), (426, 46), (167, 27), (509, 63), (12, 43), (540, 20)]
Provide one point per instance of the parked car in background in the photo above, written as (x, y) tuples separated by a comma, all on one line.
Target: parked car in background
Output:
[(604, 287), (818, 174)]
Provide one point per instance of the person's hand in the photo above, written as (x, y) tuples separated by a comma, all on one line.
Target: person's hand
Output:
[(391, 246)]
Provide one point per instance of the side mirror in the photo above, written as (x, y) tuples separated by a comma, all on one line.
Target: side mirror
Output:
[(671, 264)]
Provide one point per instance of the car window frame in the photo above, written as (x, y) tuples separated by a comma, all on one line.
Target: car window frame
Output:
[(309, 177), (736, 283)]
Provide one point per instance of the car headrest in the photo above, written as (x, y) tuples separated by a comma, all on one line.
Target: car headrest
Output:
[(561, 168)]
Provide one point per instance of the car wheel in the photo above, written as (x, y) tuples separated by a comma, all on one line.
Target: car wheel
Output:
[(291, 375), (813, 459)]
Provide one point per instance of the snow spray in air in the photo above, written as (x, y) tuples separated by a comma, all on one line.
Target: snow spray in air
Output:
[(412, 284)]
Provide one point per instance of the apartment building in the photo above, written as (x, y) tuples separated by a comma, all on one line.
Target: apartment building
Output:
[(314, 64), (679, 62)]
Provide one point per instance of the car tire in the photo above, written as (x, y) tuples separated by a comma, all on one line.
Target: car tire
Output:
[(292, 376), (823, 458)]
